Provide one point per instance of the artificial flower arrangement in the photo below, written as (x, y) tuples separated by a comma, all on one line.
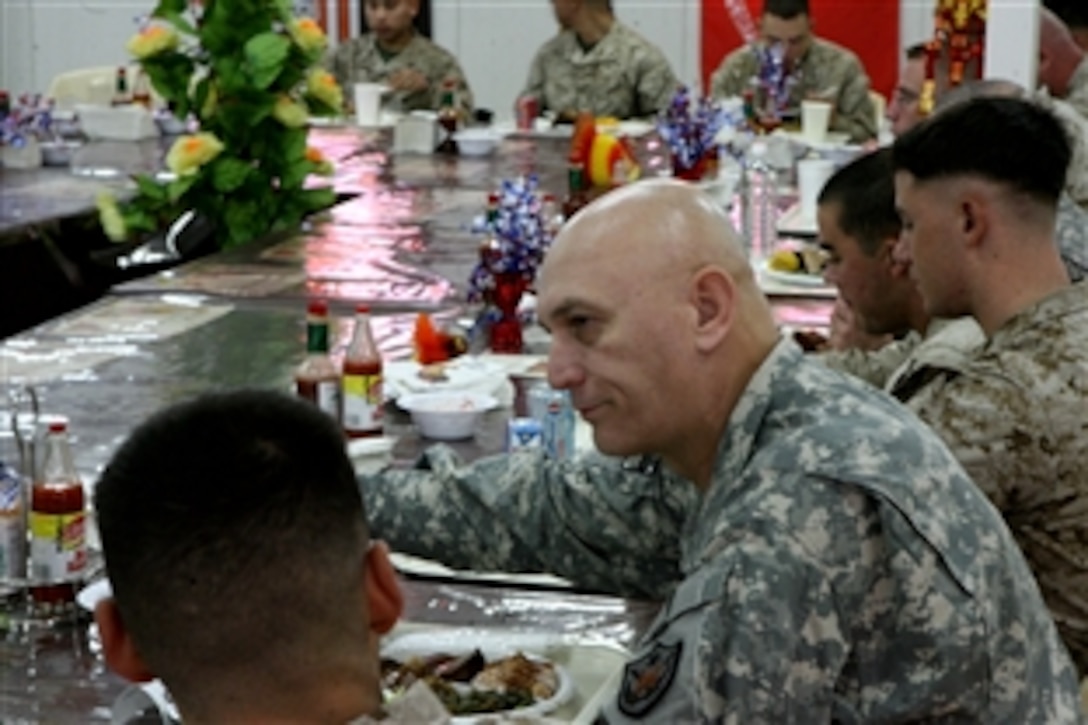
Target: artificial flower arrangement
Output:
[(246, 75), (29, 119), (772, 84), (606, 156), (694, 129)]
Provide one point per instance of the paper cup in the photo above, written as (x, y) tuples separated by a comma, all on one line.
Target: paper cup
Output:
[(815, 118), (368, 103), (812, 174)]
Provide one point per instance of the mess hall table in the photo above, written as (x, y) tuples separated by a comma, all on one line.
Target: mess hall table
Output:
[(399, 242)]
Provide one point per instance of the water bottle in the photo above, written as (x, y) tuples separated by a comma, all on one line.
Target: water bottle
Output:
[(759, 223)]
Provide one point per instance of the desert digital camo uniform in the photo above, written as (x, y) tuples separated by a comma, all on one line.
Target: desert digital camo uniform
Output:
[(361, 61), (841, 567), (826, 71), (623, 75), (1072, 237), (1015, 414)]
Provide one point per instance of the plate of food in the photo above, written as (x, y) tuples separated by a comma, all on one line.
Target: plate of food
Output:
[(797, 266), (465, 373), (476, 674)]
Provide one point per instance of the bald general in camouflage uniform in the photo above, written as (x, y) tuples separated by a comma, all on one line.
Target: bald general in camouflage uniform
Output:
[(623, 75), (362, 61), (825, 557)]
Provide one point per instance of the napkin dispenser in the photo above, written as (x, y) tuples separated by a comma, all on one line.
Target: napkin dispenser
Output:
[(416, 133)]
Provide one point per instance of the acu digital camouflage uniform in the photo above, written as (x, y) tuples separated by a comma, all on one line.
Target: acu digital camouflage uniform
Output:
[(623, 75), (841, 567), (824, 70), (361, 61)]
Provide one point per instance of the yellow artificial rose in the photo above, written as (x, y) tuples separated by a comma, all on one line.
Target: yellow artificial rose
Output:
[(290, 113), (324, 167), (109, 215), (321, 85), (308, 35), (189, 153), (153, 40)]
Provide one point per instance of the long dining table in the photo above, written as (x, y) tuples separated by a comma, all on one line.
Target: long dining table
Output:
[(400, 242)]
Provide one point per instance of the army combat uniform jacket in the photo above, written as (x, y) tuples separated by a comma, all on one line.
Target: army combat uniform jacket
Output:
[(623, 75), (361, 61), (840, 567), (827, 71)]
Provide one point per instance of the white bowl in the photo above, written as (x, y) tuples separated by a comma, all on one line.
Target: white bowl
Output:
[(446, 416), (476, 141)]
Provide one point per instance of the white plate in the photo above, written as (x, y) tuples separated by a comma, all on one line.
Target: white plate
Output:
[(493, 645), (462, 374), (792, 222), (833, 140), (796, 279)]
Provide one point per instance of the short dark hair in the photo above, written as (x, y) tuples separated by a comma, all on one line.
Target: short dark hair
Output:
[(916, 51), (785, 9), (864, 191), (1074, 13), (234, 536), (1007, 141)]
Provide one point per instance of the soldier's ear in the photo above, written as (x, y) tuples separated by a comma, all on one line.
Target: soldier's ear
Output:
[(898, 266)]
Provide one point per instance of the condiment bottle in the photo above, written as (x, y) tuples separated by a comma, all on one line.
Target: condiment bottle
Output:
[(120, 88), (12, 531), (449, 118), (317, 379), (362, 381), (576, 190), (141, 90), (58, 552)]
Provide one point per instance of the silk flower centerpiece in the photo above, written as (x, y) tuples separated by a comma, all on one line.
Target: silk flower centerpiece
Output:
[(247, 72)]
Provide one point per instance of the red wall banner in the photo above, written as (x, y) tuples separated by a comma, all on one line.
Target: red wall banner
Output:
[(870, 28)]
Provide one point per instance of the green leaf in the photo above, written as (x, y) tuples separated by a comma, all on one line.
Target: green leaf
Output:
[(317, 199), (294, 144), (296, 173), (179, 186), (243, 221), (169, 7), (150, 188), (170, 74), (228, 174), (265, 55)]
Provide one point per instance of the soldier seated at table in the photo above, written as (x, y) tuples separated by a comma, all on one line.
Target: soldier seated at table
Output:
[(394, 53), (945, 370), (242, 570), (598, 64), (822, 70), (822, 555)]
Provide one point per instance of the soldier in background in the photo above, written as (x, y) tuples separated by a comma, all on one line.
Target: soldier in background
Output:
[(1063, 67), (598, 64), (904, 111), (395, 54), (824, 556), (823, 69)]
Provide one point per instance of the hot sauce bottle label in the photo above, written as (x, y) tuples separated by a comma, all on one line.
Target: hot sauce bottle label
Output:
[(362, 402), (57, 545), (327, 396)]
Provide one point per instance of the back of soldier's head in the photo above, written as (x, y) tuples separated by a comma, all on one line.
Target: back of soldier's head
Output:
[(863, 195), (234, 536), (1006, 141)]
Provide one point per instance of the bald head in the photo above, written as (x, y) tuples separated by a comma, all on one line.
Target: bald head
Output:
[(654, 227), (1059, 54), (657, 322)]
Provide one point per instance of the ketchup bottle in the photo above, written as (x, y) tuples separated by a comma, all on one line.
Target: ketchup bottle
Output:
[(58, 551), (362, 381)]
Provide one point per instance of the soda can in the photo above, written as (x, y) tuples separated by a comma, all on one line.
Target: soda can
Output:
[(528, 108), (556, 415), (523, 434)]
